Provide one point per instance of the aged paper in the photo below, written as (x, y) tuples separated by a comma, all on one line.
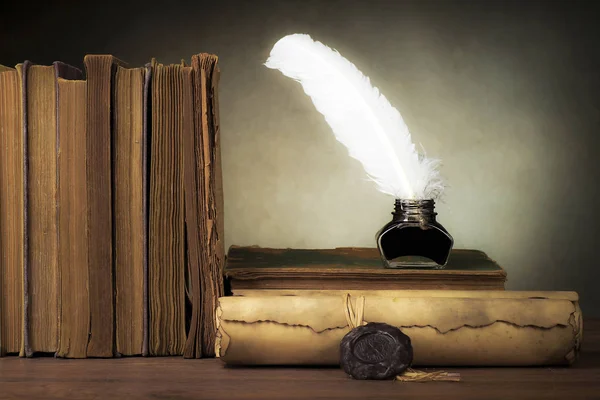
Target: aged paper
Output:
[(447, 328)]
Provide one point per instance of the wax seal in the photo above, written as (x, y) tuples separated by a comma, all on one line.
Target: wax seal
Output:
[(375, 351)]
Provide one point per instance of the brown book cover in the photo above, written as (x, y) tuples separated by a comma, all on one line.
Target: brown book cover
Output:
[(255, 268), (41, 272), (72, 215), (100, 71), (129, 157), (11, 211), (166, 240)]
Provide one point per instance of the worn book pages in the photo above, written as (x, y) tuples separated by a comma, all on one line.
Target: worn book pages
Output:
[(129, 208), (41, 273), (11, 211), (447, 328), (204, 205), (194, 211), (166, 244), (72, 220), (100, 70)]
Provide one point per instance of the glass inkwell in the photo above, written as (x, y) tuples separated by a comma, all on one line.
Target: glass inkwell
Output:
[(414, 238)]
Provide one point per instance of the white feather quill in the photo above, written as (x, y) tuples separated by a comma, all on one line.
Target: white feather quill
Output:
[(361, 118)]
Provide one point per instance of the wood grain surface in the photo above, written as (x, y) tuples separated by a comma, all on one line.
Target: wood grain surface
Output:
[(178, 378)]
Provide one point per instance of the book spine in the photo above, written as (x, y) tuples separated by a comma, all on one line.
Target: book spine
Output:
[(100, 74), (64, 71), (193, 345), (73, 244), (11, 218), (145, 184), (25, 345)]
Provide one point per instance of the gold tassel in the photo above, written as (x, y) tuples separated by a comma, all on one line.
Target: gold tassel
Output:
[(412, 375)]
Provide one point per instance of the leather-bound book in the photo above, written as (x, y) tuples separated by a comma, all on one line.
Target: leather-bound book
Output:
[(166, 236), (255, 270), (130, 152), (204, 206), (72, 219), (42, 280), (100, 74), (11, 211)]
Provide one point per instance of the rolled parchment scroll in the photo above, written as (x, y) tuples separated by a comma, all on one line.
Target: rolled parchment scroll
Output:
[(447, 328)]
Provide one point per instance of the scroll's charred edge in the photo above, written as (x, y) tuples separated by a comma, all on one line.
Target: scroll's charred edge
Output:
[(443, 332), (576, 322), (570, 322), (267, 321), (221, 345), (220, 333), (406, 326)]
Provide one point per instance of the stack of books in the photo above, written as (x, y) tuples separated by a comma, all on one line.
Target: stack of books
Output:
[(111, 208)]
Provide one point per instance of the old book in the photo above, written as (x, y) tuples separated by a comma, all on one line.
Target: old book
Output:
[(100, 71), (129, 158), (207, 74), (204, 207), (195, 231), (166, 253), (72, 219), (41, 272), (11, 211), (216, 201), (251, 269), (146, 184)]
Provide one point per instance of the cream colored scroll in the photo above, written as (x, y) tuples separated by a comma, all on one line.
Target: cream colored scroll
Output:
[(447, 328)]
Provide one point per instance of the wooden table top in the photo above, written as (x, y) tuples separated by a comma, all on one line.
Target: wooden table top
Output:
[(176, 378)]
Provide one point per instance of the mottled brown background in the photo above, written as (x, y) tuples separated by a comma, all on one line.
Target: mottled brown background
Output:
[(505, 93)]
